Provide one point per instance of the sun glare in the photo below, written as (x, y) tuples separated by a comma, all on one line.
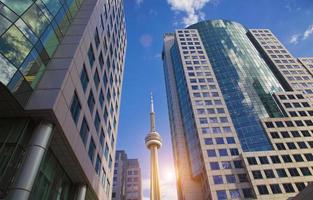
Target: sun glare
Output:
[(168, 174)]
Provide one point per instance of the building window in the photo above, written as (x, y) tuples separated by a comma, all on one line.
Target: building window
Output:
[(106, 151), (242, 178), (230, 140), (234, 194), (238, 164), (105, 79), (274, 135), (269, 124), (262, 189), (218, 180), (286, 158), (98, 165), (211, 153), (300, 186), (275, 189), (269, 173), (281, 173), (105, 114), (84, 78), (208, 141), (280, 146), (305, 133), (75, 108), (219, 140), (97, 122), (252, 161), (234, 152), (230, 178), (110, 163), (275, 159), (91, 55), (96, 78), (257, 174), (247, 193), (291, 145), (295, 134), (84, 131), (308, 156), (221, 195), (226, 165), (302, 145), (223, 152), (101, 98), (101, 60), (92, 149), (214, 166), (102, 137), (97, 39), (288, 188), (91, 101), (285, 134), (305, 171), (298, 158)]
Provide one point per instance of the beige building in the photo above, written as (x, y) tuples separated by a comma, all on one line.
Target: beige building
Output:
[(240, 113), (127, 178), (61, 73)]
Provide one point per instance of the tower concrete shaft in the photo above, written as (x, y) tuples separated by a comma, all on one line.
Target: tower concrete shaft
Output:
[(153, 142), (154, 173)]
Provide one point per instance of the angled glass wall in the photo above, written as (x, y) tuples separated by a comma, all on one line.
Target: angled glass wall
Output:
[(246, 81), (30, 32)]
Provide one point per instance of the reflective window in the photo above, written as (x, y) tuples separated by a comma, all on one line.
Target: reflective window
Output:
[(75, 107), (92, 150), (35, 19), (84, 131), (84, 78), (14, 46)]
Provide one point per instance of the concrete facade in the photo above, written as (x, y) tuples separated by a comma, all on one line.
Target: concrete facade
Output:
[(209, 159), (127, 178), (79, 93)]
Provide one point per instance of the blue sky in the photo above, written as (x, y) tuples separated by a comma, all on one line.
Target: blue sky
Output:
[(147, 20)]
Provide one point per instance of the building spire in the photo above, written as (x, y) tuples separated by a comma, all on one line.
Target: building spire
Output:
[(152, 115)]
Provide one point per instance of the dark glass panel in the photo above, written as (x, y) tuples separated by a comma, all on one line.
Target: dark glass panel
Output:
[(14, 45)]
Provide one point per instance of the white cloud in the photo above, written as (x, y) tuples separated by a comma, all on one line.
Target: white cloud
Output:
[(305, 35), (146, 40), (192, 8), (294, 39), (308, 32)]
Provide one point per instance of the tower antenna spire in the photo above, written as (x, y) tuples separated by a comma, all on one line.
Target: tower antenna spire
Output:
[(153, 142), (152, 114)]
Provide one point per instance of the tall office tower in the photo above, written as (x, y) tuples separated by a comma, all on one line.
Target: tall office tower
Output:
[(61, 72), (153, 142), (127, 178), (240, 112)]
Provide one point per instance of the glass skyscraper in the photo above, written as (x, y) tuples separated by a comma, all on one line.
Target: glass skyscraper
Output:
[(240, 112), (61, 72)]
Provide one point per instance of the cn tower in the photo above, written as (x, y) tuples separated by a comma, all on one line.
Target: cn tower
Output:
[(153, 142)]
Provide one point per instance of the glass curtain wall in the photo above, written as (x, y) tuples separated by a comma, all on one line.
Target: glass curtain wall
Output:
[(30, 32), (52, 183), (246, 81)]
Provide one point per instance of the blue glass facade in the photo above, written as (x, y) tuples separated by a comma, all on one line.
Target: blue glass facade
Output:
[(30, 32), (246, 81)]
